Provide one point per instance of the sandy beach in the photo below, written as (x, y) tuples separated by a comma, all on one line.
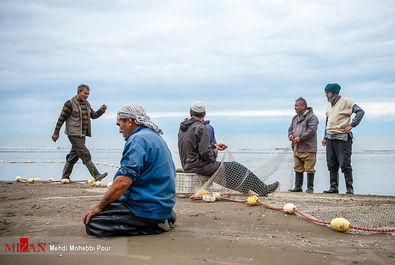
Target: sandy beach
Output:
[(222, 232)]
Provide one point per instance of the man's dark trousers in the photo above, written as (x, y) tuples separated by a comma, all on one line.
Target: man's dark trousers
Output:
[(338, 154), (78, 150)]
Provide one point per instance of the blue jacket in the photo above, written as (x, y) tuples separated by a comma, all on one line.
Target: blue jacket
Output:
[(147, 160), (210, 131)]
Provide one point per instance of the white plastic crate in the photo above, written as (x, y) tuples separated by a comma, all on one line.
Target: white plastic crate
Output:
[(189, 182)]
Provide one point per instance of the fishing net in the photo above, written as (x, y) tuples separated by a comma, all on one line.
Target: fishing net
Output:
[(234, 176), (363, 211)]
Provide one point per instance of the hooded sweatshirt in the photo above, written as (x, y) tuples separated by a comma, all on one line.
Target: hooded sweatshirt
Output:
[(306, 129), (197, 155)]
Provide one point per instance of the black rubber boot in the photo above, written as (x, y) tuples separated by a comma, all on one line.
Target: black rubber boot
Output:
[(298, 182), (260, 187), (241, 179), (67, 169), (253, 183), (310, 183), (94, 172), (334, 180), (273, 187), (349, 181)]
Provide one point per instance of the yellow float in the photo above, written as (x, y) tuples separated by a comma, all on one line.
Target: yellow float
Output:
[(253, 200), (202, 192), (340, 224), (65, 181)]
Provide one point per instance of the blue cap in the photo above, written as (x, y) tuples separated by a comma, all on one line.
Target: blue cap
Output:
[(334, 88)]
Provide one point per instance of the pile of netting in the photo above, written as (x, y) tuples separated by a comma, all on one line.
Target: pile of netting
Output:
[(234, 176)]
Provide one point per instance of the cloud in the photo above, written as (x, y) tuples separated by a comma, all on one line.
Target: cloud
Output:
[(205, 41), (379, 109), (242, 58), (372, 110)]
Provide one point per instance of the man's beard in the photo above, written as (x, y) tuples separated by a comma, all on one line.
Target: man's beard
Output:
[(331, 98)]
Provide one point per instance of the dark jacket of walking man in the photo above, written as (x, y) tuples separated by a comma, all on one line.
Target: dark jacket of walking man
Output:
[(338, 136), (77, 113), (303, 134)]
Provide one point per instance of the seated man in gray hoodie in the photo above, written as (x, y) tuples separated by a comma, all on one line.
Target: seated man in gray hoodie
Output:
[(303, 134), (197, 155)]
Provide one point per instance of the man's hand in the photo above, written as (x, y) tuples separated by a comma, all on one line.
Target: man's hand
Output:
[(91, 212), (323, 142), (55, 137), (221, 147), (346, 128), (117, 189), (291, 137), (297, 140), (103, 108)]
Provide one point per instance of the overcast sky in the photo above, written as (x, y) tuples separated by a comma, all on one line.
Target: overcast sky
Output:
[(246, 60)]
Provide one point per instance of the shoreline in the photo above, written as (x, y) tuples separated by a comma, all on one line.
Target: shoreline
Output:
[(222, 232)]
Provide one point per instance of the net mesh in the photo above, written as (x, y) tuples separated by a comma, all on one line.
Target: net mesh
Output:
[(232, 175), (237, 180), (362, 211)]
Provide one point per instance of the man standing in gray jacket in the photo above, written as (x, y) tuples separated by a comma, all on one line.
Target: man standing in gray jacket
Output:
[(303, 134), (77, 112)]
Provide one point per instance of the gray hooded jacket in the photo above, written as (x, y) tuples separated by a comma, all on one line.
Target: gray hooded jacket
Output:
[(306, 129), (196, 153)]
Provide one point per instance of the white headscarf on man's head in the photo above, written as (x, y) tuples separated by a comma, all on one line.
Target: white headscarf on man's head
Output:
[(137, 113)]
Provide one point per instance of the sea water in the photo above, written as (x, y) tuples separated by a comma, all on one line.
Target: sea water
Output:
[(373, 159)]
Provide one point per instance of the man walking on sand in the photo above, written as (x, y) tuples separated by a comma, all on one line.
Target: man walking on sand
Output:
[(77, 113), (303, 134), (338, 136), (141, 199)]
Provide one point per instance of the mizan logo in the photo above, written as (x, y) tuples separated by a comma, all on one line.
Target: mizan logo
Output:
[(24, 246)]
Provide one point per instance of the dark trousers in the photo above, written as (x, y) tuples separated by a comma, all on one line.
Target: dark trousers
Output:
[(117, 220), (338, 154), (78, 150)]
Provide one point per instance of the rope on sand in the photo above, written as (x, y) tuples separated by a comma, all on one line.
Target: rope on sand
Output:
[(338, 224), (63, 181)]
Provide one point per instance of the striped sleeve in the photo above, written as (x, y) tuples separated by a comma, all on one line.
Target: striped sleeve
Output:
[(63, 116), (96, 114)]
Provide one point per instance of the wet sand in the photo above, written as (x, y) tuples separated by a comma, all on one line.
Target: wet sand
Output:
[(206, 233)]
